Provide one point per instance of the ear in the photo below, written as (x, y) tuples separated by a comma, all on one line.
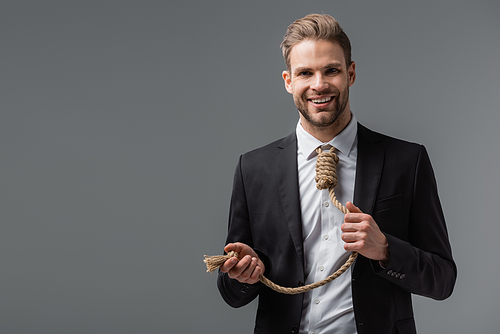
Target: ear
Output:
[(288, 81), (351, 72)]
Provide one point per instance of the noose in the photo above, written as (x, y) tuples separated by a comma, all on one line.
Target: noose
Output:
[(326, 178)]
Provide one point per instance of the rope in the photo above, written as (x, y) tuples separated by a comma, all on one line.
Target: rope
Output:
[(326, 175), (326, 178)]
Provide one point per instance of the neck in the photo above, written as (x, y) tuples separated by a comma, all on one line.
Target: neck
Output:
[(325, 134)]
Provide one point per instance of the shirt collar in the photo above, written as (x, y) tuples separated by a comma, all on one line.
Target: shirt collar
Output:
[(343, 142)]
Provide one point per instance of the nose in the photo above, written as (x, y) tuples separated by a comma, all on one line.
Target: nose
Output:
[(319, 82)]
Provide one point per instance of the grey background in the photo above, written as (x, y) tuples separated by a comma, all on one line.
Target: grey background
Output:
[(121, 123)]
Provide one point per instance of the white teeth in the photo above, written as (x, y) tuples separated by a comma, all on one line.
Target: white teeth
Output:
[(322, 100)]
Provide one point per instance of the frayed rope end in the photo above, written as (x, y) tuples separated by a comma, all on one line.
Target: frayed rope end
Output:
[(215, 261)]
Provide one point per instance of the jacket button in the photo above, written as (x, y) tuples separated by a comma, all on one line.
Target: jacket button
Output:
[(389, 272), (244, 288), (402, 276), (295, 329), (301, 283)]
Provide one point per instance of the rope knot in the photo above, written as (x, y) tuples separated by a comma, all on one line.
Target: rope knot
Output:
[(326, 169)]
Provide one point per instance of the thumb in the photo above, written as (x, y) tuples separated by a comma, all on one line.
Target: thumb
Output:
[(352, 208), (230, 247), (237, 247)]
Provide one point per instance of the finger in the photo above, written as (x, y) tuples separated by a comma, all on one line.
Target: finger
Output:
[(228, 248), (240, 266), (352, 246), (355, 217), (256, 274), (352, 208), (348, 237), (234, 247), (247, 272), (350, 227), (228, 265), (240, 248), (354, 237)]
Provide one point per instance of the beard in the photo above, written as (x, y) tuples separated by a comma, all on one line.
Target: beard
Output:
[(327, 117)]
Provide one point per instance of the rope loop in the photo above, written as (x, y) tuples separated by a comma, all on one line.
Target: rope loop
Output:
[(326, 178)]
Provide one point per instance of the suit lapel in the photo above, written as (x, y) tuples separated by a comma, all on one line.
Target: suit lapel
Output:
[(369, 166), (285, 169)]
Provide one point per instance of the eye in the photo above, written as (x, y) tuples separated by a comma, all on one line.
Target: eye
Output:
[(332, 71), (303, 73)]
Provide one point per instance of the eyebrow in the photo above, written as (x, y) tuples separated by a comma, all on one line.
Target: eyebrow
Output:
[(301, 69), (337, 65)]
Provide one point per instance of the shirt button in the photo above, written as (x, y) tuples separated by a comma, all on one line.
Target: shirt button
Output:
[(321, 268), (316, 301), (327, 204), (326, 236)]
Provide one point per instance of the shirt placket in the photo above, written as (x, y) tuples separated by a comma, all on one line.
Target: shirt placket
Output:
[(322, 260)]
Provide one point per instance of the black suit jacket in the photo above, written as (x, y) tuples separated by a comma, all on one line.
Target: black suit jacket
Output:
[(394, 183)]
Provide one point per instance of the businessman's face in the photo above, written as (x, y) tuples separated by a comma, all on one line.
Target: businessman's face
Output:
[(319, 82)]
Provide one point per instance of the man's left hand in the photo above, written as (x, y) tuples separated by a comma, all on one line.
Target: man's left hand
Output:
[(361, 234)]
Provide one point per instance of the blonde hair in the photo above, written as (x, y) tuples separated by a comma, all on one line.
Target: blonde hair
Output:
[(315, 27)]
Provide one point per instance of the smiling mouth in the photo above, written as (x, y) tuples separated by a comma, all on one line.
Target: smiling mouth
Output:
[(320, 101)]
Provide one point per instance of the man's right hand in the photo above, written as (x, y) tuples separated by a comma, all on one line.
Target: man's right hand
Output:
[(247, 267)]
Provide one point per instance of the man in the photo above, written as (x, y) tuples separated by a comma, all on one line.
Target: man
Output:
[(285, 228)]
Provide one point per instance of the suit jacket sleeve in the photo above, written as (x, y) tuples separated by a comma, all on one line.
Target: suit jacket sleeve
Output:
[(233, 292), (421, 258)]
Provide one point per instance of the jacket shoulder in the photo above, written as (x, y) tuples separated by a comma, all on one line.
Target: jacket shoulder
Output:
[(270, 149), (367, 135)]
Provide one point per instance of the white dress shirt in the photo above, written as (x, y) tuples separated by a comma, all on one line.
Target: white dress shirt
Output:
[(327, 309)]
